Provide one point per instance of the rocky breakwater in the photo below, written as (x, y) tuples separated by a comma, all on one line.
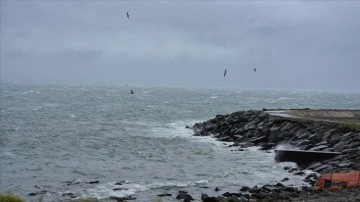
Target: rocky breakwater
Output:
[(258, 128)]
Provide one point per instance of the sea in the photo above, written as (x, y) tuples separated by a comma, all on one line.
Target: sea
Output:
[(60, 142)]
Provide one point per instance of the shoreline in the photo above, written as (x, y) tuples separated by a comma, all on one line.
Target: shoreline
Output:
[(304, 129), (267, 130)]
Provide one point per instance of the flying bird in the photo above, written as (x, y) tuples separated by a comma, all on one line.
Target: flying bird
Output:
[(127, 15), (224, 72), (254, 69), (131, 91)]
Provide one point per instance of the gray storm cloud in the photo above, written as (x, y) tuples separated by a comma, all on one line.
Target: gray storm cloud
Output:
[(293, 45)]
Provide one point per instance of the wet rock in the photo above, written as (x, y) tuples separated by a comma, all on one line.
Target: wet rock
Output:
[(303, 143), (120, 189), (320, 168), (254, 190), (120, 183), (313, 166), (244, 188), (289, 189), (164, 194), (267, 146), (259, 140), (37, 193), (279, 185), (71, 195), (73, 182), (269, 188), (249, 126), (122, 199), (228, 194), (301, 173), (184, 196), (209, 199), (319, 148), (285, 179), (259, 195), (287, 127), (93, 182), (315, 137)]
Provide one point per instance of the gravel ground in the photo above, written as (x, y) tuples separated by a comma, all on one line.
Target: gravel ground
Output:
[(345, 195)]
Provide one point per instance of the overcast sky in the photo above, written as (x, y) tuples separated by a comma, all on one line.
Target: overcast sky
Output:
[(293, 45)]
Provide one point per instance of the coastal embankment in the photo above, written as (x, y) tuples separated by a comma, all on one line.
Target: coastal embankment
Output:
[(310, 130)]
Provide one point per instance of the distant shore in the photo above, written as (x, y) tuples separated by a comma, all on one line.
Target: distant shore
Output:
[(330, 130)]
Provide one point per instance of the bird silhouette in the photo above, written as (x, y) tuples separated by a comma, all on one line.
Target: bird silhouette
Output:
[(127, 15), (224, 72), (254, 69), (131, 91)]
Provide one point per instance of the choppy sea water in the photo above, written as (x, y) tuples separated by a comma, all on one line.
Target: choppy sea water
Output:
[(59, 138)]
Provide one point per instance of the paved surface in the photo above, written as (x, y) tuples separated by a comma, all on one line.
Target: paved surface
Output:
[(333, 115)]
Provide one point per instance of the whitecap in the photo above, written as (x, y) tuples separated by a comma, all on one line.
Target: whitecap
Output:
[(107, 190)]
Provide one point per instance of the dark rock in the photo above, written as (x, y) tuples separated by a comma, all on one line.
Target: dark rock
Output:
[(292, 170), (233, 199), (259, 195), (122, 199), (244, 188), (259, 140), (209, 199), (184, 196), (303, 143), (254, 190), (321, 168), (289, 189), (249, 126), (37, 193), (119, 183), (119, 189), (268, 188), (294, 194), (228, 194), (287, 127), (301, 173), (217, 189), (71, 195), (164, 194), (225, 139), (315, 137), (93, 182), (267, 146), (285, 179), (279, 185), (319, 148), (313, 166)]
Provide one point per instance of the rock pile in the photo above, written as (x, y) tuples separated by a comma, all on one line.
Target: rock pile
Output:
[(258, 128)]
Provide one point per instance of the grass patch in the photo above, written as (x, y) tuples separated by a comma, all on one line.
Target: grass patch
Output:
[(352, 126), (10, 198)]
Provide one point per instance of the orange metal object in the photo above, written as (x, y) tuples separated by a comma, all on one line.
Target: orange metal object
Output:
[(350, 179)]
